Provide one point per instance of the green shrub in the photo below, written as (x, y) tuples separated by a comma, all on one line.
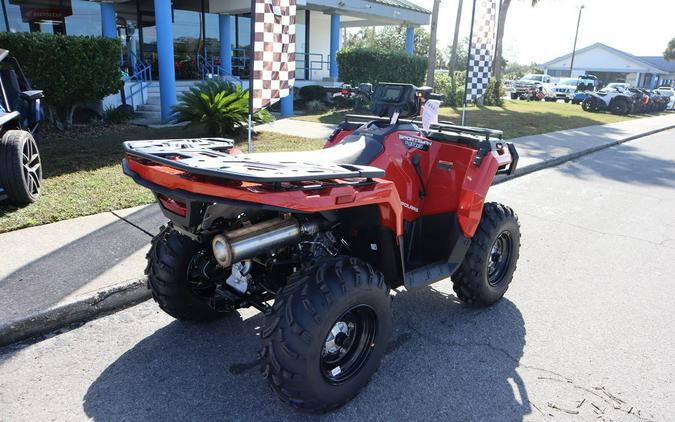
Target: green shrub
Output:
[(494, 94), (116, 115), (361, 104), (70, 69), (313, 92), (315, 107), (452, 88), (359, 65), (219, 106)]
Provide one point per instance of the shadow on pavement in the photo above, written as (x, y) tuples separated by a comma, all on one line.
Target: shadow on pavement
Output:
[(45, 281), (445, 361)]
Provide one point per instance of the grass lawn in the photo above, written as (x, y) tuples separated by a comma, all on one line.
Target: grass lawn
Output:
[(83, 175), (516, 118)]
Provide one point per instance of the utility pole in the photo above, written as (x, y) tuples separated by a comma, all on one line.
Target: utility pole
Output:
[(574, 49)]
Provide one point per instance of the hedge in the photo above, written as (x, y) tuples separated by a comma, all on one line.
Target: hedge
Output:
[(373, 65), (70, 69)]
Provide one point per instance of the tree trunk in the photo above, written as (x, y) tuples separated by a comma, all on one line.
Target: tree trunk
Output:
[(501, 21), (431, 67), (453, 55)]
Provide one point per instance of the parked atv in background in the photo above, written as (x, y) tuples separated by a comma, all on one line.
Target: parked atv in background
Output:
[(621, 99), (585, 84), (20, 115), (328, 234), (618, 100)]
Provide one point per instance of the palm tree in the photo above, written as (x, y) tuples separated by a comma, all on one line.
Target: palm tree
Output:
[(431, 64), (501, 21), (453, 55)]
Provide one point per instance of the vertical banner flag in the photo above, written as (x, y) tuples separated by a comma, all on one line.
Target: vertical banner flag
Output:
[(481, 48), (273, 64)]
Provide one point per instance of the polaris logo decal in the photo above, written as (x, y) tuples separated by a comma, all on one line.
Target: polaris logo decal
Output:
[(413, 142), (410, 207)]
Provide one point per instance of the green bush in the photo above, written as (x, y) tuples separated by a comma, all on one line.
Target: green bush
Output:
[(315, 107), (494, 94), (219, 106), (452, 88), (359, 65), (116, 115), (70, 69), (313, 92)]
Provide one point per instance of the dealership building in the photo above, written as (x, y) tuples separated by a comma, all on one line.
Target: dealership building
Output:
[(612, 65), (168, 45)]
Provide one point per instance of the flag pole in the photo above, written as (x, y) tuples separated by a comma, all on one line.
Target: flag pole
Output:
[(250, 132), (468, 60), (250, 77)]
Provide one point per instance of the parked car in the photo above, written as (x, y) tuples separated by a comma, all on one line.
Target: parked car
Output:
[(527, 86), (20, 115), (563, 90)]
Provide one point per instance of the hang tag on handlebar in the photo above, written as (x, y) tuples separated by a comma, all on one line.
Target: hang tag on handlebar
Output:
[(430, 113)]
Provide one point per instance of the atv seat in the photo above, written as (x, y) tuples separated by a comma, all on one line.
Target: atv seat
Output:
[(359, 150)]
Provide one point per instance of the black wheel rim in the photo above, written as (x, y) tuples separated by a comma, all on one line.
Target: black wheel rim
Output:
[(200, 276), (31, 167), (349, 344), (499, 258)]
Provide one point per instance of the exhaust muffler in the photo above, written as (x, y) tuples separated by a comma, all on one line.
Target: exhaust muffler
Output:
[(248, 242)]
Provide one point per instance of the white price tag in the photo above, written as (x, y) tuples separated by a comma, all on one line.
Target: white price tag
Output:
[(430, 113)]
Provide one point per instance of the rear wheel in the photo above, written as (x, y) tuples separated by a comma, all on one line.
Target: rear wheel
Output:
[(567, 100), (20, 167), (326, 334), (514, 96), (178, 275), (619, 107), (489, 264)]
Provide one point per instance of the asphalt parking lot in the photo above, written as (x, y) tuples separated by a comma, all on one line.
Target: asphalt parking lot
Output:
[(584, 333)]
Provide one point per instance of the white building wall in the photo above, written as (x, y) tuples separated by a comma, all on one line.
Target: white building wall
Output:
[(319, 42), (599, 59)]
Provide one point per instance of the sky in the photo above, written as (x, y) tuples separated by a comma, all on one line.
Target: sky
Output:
[(546, 31)]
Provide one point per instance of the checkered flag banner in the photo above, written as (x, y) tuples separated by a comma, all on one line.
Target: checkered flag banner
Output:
[(273, 72), (482, 48)]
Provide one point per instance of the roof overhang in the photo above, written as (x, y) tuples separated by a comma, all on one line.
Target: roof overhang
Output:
[(367, 13)]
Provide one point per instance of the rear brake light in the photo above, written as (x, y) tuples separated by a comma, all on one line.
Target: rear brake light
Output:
[(176, 207)]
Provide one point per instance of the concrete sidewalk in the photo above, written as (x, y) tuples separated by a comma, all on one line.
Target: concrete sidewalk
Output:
[(293, 127), (73, 270)]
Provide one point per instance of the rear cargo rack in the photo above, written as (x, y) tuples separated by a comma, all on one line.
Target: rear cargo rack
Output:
[(441, 126), (210, 157)]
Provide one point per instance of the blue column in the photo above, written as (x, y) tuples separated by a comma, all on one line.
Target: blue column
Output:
[(287, 105), (409, 40), (225, 43), (167, 73), (108, 20), (334, 44)]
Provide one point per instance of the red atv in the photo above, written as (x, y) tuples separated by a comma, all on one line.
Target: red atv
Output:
[(327, 234)]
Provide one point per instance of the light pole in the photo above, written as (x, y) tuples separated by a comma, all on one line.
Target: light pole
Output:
[(574, 49)]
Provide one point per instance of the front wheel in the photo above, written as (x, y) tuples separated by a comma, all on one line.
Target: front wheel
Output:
[(326, 334), (588, 104), (489, 264)]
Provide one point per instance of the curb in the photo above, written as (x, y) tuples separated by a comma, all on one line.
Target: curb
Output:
[(132, 292), (97, 304)]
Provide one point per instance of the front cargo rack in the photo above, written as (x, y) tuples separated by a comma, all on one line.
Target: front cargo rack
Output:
[(210, 157), (441, 126)]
